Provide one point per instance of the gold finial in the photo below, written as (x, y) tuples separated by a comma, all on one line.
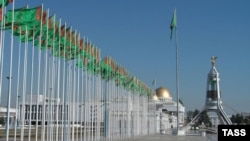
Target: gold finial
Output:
[(213, 58)]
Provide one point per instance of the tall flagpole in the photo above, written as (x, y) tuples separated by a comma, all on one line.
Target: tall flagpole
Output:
[(10, 75), (173, 27), (177, 80)]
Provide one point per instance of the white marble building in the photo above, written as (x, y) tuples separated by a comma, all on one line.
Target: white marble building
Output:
[(166, 110), (129, 115)]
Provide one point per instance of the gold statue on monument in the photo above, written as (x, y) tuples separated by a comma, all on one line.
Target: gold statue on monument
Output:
[(213, 58)]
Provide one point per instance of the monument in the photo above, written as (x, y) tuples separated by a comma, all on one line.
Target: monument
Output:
[(213, 101)]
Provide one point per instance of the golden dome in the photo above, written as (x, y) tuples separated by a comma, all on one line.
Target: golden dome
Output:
[(163, 93)]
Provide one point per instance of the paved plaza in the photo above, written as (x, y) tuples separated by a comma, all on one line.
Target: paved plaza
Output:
[(168, 137)]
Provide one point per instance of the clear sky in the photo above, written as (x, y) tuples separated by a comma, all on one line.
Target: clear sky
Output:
[(136, 34)]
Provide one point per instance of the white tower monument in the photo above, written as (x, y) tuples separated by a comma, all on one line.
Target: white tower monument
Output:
[(213, 101)]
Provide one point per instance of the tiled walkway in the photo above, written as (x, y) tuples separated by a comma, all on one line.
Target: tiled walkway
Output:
[(160, 137)]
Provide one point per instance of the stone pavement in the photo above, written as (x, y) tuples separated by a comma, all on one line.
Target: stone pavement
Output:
[(169, 137)]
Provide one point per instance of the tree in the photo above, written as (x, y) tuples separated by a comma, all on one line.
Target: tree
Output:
[(196, 112), (233, 118), (190, 116), (203, 118), (240, 119)]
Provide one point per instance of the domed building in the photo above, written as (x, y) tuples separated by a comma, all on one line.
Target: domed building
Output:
[(165, 110), (163, 94)]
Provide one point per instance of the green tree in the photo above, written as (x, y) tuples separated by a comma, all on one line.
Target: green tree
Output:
[(233, 118), (247, 120), (203, 118), (196, 112), (189, 116), (240, 119)]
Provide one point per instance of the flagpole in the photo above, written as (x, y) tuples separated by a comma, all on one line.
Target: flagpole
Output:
[(177, 80), (10, 75), (173, 27)]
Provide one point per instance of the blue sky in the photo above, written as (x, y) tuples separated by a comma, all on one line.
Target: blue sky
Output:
[(136, 34)]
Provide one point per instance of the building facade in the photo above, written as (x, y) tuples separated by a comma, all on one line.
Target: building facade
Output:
[(165, 110)]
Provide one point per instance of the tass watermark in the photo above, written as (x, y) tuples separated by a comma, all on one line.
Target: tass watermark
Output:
[(241, 132)]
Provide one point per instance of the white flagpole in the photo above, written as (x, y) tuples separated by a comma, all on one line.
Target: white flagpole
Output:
[(17, 92), (73, 89), (38, 79), (24, 110), (53, 83), (49, 89), (177, 75), (69, 93), (78, 86), (75, 86), (85, 100), (10, 74), (112, 102), (31, 83), (64, 105), (58, 82), (99, 92), (138, 112), (2, 39), (119, 105), (177, 83), (102, 105), (81, 102), (88, 101), (45, 104), (93, 102)]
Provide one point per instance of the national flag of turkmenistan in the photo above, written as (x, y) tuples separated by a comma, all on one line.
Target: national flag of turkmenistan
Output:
[(173, 23), (24, 15), (5, 2), (180, 101)]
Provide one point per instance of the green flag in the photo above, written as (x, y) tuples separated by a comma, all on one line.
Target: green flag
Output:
[(173, 23), (180, 101), (24, 16), (8, 18), (5, 2)]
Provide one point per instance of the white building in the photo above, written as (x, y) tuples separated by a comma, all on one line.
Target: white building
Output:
[(12, 118), (31, 110), (166, 110), (129, 114)]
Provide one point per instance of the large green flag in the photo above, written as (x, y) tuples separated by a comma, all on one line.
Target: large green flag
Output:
[(5, 2), (24, 16), (173, 23), (8, 24)]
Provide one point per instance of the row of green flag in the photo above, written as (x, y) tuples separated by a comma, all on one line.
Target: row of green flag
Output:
[(34, 25)]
